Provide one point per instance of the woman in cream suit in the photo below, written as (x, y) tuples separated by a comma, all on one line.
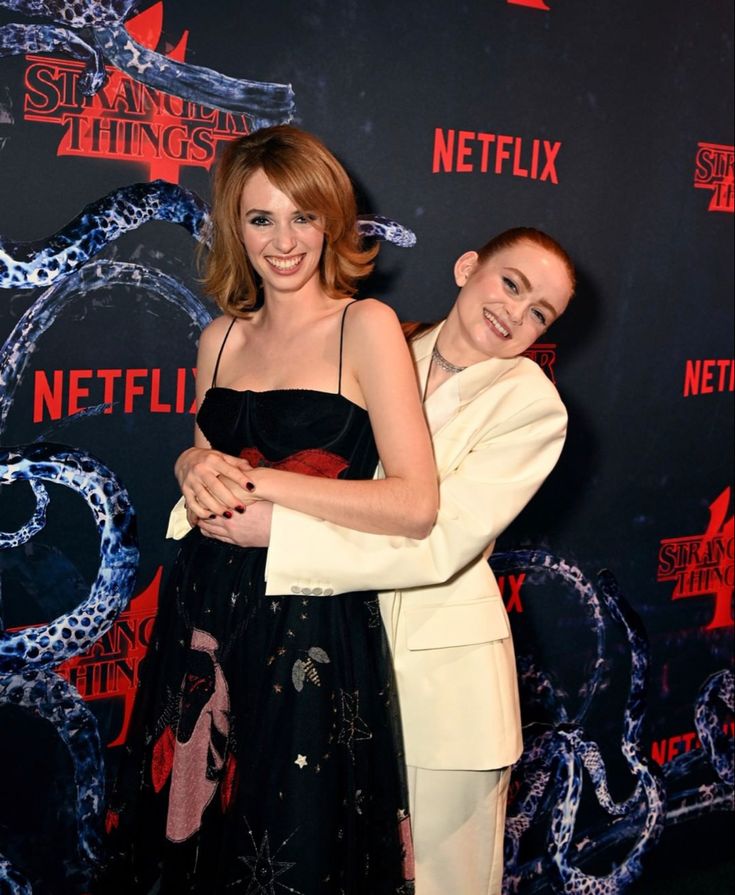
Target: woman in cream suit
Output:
[(498, 427)]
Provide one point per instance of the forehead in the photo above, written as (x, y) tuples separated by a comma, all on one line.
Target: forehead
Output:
[(259, 192), (541, 267)]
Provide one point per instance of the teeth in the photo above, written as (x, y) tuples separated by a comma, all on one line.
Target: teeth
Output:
[(285, 263), (494, 320)]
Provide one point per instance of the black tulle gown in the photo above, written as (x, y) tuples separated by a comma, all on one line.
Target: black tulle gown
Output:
[(265, 757)]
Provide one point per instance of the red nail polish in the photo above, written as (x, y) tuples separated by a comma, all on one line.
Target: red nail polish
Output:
[(239, 509), (227, 514), (212, 516), (250, 486)]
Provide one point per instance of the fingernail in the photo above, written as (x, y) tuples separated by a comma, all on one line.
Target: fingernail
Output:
[(239, 509), (250, 486), (212, 516), (227, 514)]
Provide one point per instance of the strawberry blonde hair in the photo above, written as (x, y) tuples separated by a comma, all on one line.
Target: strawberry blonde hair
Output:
[(301, 166)]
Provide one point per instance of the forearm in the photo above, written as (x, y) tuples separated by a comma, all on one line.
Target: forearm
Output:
[(391, 506), (478, 500)]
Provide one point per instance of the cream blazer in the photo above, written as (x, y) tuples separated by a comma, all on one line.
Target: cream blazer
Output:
[(498, 429)]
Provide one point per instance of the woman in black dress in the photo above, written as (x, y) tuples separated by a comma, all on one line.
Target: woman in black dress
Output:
[(267, 756)]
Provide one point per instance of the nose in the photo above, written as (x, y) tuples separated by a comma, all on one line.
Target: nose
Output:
[(515, 315), (284, 239)]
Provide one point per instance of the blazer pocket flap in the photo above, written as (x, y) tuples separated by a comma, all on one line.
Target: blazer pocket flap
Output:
[(463, 624)]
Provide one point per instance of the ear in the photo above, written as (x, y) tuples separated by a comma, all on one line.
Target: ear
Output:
[(464, 267)]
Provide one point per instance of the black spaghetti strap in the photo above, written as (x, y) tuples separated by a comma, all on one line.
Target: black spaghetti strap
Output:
[(221, 349), (341, 342)]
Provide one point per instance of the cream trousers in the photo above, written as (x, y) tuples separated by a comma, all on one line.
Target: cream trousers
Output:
[(458, 819)]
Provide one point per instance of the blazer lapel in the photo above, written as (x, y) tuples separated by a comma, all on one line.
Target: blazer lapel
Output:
[(451, 431)]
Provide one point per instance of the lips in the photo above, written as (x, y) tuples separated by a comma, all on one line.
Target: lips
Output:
[(286, 264), (496, 326)]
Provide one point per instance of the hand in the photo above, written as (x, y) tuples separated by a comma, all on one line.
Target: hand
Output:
[(252, 528), (200, 473)]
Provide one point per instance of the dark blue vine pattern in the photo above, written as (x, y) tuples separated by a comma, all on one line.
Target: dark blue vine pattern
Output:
[(550, 774), (29, 655), (93, 31), (28, 265)]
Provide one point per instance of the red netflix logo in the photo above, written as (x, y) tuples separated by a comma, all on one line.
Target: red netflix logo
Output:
[(665, 750), (714, 171), (534, 4), (65, 392), (703, 565), (512, 599), (704, 377), (467, 152)]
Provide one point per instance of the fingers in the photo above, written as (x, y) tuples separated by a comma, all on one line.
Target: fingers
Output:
[(242, 495), (202, 486)]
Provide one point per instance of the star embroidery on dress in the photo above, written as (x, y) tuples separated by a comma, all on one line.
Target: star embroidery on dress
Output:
[(353, 727), (264, 870), (301, 761)]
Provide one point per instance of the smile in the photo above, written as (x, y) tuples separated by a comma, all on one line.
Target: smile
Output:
[(285, 265), (496, 325)]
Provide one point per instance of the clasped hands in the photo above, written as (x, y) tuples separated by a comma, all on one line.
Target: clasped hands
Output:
[(218, 490)]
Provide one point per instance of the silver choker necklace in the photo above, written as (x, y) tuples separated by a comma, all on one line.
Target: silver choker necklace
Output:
[(443, 363)]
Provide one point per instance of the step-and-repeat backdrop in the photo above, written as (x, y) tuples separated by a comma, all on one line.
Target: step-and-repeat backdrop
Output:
[(609, 125)]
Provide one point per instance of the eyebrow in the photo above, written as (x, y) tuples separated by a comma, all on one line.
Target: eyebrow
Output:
[(524, 279)]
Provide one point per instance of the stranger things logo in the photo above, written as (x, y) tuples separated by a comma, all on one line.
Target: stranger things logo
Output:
[(702, 565), (126, 120), (714, 171), (544, 354)]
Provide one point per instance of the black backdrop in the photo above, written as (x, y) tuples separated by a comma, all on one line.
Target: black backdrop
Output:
[(628, 108)]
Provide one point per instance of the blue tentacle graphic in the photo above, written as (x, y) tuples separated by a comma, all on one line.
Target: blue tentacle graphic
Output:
[(73, 633), (40, 263), (380, 227), (48, 696), (15, 39), (95, 33), (17, 884), (717, 690), (550, 772), (264, 103)]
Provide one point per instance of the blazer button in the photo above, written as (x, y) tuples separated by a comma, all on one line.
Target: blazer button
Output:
[(317, 591), (295, 590), (306, 591), (328, 591)]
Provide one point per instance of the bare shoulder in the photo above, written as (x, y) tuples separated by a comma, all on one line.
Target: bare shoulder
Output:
[(215, 330), (371, 315)]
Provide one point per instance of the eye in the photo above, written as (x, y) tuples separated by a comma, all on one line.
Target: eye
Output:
[(306, 218), (539, 315), (510, 285), (258, 220)]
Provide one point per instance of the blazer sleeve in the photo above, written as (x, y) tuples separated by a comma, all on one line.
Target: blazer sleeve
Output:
[(478, 499)]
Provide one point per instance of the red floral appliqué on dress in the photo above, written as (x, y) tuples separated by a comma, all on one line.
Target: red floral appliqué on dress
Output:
[(313, 461)]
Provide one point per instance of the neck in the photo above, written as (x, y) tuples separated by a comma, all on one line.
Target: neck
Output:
[(293, 309)]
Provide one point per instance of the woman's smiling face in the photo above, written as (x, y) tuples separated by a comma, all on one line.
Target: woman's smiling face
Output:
[(284, 243), (508, 301)]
